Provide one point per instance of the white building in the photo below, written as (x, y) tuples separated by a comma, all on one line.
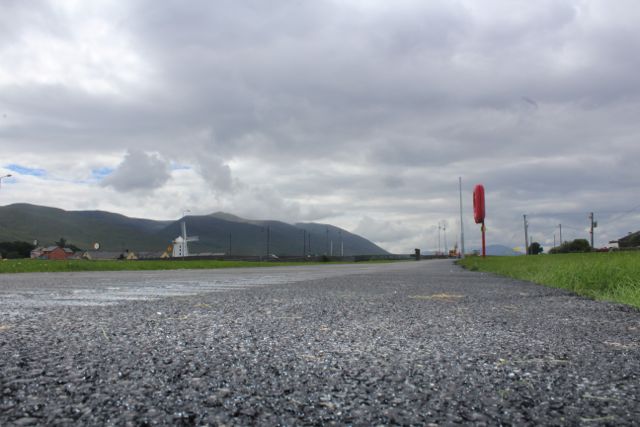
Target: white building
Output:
[(180, 243)]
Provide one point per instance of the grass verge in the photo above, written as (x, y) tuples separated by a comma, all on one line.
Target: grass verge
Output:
[(611, 276), (43, 266)]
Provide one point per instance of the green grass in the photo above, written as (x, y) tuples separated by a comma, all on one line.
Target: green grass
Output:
[(41, 266), (611, 276)]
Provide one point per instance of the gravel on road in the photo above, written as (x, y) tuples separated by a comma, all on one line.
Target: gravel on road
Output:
[(412, 343)]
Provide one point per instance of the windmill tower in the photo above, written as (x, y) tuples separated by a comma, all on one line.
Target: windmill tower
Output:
[(181, 243)]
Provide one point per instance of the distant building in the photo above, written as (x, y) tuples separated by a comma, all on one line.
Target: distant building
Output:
[(52, 252), (37, 252), (101, 255), (109, 255), (631, 240), (149, 255)]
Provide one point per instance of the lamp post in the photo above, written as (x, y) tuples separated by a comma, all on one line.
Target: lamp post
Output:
[(444, 232), (4, 176)]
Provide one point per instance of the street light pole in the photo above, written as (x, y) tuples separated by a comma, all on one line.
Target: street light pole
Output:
[(461, 220), (444, 231), (526, 235)]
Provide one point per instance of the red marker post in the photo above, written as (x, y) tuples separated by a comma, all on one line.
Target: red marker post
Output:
[(478, 212)]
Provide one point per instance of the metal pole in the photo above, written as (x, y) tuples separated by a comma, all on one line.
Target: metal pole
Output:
[(593, 225), (327, 248), (484, 249), (526, 238), (461, 221), (304, 243), (341, 245), (560, 225), (446, 248), (268, 240), (229, 243)]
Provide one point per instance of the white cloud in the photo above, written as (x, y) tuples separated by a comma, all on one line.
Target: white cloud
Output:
[(139, 171)]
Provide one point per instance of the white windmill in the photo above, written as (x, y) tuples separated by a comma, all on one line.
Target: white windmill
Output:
[(180, 243)]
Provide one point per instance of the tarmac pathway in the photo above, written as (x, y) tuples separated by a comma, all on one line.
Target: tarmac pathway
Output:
[(412, 343)]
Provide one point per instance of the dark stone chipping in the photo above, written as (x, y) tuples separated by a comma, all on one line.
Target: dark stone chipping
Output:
[(408, 344)]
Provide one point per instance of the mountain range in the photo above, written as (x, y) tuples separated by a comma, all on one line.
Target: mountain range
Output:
[(500, 250), (218, 232)]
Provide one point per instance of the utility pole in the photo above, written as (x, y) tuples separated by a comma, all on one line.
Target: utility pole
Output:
[(560, 225), (327, 248), (526, 235), (268, 240), (461, 222), (554, 240), (594, 224)]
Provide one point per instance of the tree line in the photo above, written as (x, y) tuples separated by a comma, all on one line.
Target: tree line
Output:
[(577, 245)]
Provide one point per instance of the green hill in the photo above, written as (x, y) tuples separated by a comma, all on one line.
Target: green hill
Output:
[(82, 228), (115, 232)]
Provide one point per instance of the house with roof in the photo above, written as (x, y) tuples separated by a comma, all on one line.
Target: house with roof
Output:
[(109, 255), (631, 240), (51, 252)]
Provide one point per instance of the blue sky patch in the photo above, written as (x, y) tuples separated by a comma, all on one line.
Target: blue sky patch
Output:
[(177, 166), (23, 170), (101, 173)]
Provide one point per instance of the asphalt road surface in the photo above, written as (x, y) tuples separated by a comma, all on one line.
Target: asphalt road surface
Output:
[(413, 343)]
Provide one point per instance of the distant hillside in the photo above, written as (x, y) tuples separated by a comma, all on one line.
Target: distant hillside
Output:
[(216, 232), (499, 250)]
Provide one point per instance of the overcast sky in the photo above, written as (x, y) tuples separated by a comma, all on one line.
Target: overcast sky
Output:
[(358, 113)]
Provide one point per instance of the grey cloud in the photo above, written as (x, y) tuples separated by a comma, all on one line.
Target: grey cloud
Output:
[(139, 171), (378, 105), (18, 16), (215, 172), (384, 231)]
